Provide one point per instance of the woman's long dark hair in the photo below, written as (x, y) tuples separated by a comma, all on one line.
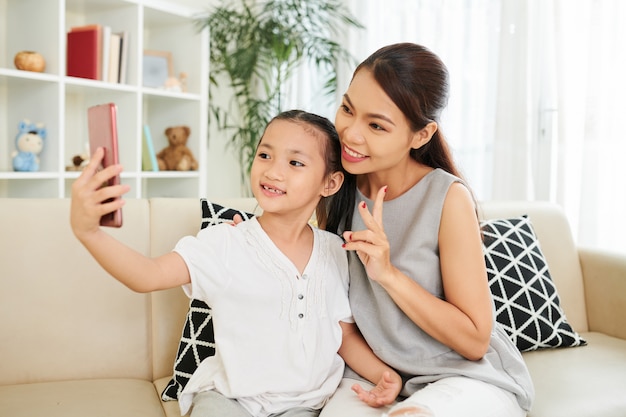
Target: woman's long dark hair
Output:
[(416, 80)]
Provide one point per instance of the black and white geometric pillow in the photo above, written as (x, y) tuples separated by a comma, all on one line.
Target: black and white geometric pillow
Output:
[(525, 297), (213, 214), (197, 341)]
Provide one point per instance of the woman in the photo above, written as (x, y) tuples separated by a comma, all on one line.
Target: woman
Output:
[(418, 283)]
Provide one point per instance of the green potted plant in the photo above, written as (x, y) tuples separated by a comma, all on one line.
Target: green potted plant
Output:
[(256, 47)]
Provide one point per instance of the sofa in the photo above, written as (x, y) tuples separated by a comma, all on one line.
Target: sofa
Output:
[(75, 342)]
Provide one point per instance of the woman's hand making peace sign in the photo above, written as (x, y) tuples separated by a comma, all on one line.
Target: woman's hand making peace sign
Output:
[(371, 244)]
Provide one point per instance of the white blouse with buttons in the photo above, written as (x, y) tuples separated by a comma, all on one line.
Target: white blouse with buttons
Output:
[(276, 332)]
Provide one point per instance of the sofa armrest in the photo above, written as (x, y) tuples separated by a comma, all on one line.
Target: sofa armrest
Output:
[(604, 278)]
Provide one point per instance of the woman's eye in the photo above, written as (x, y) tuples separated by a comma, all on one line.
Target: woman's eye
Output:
[(345, 108), (376, 126)]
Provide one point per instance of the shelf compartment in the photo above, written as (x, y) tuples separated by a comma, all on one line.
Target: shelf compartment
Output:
[(37, 101), (78, 99), (163, 30), (119, 15), (172, 185), (30, 25), (21, 186)]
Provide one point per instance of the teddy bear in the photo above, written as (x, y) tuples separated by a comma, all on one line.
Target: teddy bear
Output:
[(29, 143), (177, 156), (79, 161)]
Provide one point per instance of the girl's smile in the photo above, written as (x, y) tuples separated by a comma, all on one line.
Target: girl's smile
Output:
[(272, 191)]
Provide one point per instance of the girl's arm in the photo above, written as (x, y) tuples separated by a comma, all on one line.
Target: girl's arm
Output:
[(133, 269), (463, 320), (359, 356)]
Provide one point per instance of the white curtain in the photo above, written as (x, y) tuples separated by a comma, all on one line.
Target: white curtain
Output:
[(590, 179), (537, 106)]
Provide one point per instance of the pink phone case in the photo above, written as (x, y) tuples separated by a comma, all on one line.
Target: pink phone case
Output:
[(102, 123)]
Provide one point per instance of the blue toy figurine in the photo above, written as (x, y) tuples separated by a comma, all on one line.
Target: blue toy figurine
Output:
[(29, 143)]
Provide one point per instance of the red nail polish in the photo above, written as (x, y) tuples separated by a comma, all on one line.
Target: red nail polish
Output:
[(343, 245), (385, 188), (363, 205)]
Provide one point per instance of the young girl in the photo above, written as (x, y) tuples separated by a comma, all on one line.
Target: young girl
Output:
[(418, 281), (277, 287)]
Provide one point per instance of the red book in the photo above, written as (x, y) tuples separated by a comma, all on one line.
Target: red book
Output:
[(84, 52)]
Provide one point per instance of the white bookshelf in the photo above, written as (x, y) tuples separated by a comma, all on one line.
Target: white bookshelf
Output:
[(61, 102)]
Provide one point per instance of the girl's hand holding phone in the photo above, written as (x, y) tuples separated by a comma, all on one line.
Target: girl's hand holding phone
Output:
[(90, 200)]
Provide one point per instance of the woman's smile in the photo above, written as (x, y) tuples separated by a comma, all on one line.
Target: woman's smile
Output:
[(351, 155)]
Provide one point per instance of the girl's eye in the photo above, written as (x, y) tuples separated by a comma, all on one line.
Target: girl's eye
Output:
[(297, 163), (263, 155)]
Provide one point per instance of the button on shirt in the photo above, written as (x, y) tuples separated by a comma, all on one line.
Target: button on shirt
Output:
[(276, 332)]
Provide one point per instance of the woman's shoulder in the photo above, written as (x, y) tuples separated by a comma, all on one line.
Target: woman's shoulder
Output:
[(432, 187), (459, 192), (441, 175), (459, 204)]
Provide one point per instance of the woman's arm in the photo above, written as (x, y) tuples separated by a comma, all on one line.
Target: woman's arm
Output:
[(359, 356), (133, 269), (463, 320)]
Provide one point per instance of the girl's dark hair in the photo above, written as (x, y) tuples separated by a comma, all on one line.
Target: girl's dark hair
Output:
[(332, 158), (416, 80)]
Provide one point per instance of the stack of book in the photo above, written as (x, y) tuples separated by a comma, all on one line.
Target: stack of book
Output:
[(97, 53)]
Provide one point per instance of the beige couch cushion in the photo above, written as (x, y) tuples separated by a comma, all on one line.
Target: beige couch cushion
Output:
[(100, 329), (88, 398), (582, 381)]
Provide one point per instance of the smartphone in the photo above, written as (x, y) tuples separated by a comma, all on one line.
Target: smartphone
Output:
[(102, 123)]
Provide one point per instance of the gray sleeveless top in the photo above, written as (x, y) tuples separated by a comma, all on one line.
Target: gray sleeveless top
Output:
[(412, 223)]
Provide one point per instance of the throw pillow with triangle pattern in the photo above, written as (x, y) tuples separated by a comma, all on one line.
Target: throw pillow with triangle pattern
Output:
[(525, 297)]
